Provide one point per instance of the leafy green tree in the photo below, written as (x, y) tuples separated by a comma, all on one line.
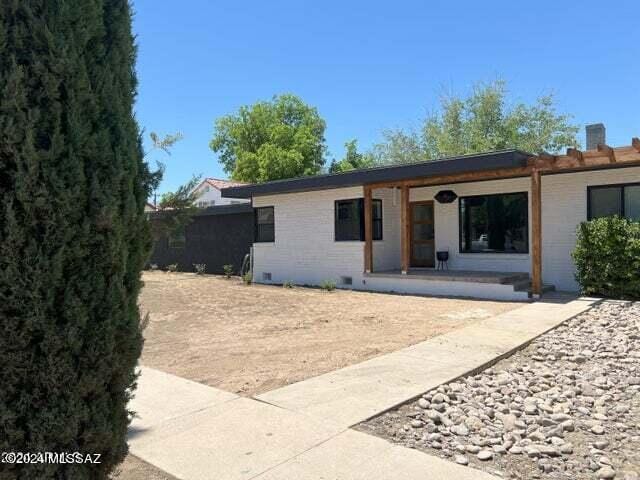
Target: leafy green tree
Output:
[(164, 144), (282, 138), (481, 122), (353, 160), (398, 147), (175, 209), (73, 233)]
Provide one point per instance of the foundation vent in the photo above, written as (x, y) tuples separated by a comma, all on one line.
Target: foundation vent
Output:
[(266, 276), (346, 280)]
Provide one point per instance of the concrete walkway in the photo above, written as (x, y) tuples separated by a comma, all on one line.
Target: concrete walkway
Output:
[(301, 431)]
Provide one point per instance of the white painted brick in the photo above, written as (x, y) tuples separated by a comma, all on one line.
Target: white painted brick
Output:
[(305, 251), (564, 206)]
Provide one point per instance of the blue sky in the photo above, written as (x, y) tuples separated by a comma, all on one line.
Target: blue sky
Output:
[(371, 65)]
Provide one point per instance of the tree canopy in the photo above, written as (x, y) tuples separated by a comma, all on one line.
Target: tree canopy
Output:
[(175, 209), (281, 138), (352, 160), (480, 122)]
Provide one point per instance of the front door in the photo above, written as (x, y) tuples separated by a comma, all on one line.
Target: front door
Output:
[(422, 234)]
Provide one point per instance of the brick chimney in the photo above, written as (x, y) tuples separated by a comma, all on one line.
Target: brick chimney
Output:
[(595, 135)]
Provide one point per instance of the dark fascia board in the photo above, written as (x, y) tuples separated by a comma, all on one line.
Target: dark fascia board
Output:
[(446, 166), (213, 210)]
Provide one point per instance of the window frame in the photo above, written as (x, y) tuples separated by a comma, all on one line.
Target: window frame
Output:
[(360, 203), (621, 186), (256, 224), (503, 252)]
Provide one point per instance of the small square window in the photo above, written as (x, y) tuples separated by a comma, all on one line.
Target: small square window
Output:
[(349, 219), (264, 224)]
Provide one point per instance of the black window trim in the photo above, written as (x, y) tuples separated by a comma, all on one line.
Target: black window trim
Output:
[(462, 252), (255, 224), (358, 199), (622, 186)]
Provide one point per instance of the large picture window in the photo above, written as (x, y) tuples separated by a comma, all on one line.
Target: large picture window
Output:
[(265, 227), (349, 219), (494, 223), (622, 200)]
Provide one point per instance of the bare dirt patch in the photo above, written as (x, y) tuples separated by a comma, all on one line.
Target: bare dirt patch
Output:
[(252, 339), (135, 469)]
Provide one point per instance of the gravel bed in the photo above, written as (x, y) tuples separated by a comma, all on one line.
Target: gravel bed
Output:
[(565, 407)]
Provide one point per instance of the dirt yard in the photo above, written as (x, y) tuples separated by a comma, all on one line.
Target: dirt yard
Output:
[(135, 469), (252, 339)]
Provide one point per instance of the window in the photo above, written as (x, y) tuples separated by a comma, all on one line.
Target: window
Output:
[(177, 239), (349, 219), (494, 223), (622, 200), (265, 229)]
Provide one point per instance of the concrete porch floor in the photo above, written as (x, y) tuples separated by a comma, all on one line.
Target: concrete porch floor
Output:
[(455, 275)]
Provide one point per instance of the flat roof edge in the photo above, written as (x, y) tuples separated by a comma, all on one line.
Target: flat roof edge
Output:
[(450, 166)]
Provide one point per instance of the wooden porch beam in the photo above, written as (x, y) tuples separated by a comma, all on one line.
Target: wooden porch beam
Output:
[(574, 160), (577, 154), (404, 229), (457, 178), (608, 151), (368, 230), (536, 233)]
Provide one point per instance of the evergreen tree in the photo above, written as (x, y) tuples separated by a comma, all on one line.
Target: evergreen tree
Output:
[(73, 234)]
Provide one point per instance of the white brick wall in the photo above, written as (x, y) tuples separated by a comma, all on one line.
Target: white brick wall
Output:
[(386, 253), (447, 226), (305, 251), (564, 206)]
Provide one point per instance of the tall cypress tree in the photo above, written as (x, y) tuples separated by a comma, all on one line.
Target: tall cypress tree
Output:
[(73, 235)]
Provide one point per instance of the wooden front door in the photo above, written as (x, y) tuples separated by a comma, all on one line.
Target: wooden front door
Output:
[(422, 234)]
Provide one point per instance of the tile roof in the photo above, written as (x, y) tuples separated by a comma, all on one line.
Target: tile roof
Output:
[(220, 184)]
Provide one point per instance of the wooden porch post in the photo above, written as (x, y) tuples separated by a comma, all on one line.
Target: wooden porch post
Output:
[(404, 229), (536, 233), (368, 230)]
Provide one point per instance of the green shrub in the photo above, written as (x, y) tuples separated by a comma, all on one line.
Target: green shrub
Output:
[(607, 257), (228, 270), (328, 285), (247, 278), (172, 267), (288, 284), (200, 268)]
